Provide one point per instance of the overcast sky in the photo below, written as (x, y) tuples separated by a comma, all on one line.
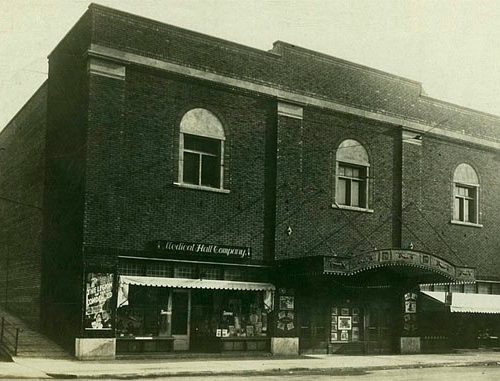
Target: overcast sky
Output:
[(451, 46)]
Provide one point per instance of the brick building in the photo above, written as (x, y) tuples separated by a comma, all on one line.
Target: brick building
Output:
[(175, 191)]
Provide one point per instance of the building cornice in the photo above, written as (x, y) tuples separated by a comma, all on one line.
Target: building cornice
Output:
[(125, 57)]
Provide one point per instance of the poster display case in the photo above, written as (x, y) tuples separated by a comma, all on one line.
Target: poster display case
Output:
[(345, 324)]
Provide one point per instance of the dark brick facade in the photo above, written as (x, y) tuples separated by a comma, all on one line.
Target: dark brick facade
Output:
[(22, 169), (131, 198), (108, 174), (431, 193), (306, 173)]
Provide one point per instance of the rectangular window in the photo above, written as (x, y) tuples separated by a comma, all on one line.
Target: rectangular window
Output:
[(465, 200), (183, 271), (202, 161), (342, 191), (210, 272), (160, 269), (131, 268), (351, 186)]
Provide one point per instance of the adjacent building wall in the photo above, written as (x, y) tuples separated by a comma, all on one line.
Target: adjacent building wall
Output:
[(22, 173), (65, 175)]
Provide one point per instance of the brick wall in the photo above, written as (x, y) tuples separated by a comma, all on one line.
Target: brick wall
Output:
[(64, 181), (22, 150), (306, 186), (431, 190), (288, 67), (132, 164)]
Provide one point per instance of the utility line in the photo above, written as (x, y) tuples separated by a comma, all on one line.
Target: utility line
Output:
[(20, 203)]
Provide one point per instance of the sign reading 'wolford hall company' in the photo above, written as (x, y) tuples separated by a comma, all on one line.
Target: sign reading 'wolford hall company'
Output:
[(202, 249)]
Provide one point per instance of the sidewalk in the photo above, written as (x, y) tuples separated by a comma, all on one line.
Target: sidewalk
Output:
[(137, 368)]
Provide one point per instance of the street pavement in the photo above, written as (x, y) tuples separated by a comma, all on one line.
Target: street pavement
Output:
[(484, 373), (39, 368)]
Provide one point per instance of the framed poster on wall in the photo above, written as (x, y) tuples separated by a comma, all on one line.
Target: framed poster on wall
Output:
[(344, 336), (98, 301), (355, 334), (345, 323), (287, 302)]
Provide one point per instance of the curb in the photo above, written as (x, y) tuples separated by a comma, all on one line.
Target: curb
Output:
[(337, 371)]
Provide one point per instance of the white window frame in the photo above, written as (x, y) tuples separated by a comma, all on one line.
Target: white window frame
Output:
[(475, 186), (198, 131), (363, 165), (363, 180)]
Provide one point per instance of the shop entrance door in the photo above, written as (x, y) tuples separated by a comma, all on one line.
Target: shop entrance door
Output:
[(181, 311), (380, 327)]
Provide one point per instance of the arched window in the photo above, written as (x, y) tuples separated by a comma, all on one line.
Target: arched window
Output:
[(465, 194), (352, 175), (201, 149)]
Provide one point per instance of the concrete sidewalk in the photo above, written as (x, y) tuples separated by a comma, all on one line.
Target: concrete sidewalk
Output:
[(137, 368)]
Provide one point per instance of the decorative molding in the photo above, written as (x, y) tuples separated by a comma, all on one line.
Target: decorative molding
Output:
[(106, 68), (290, 110), (385, 258), (99, 51)]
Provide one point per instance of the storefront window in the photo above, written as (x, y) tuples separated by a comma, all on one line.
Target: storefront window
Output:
[(241, 314), (159, 311)]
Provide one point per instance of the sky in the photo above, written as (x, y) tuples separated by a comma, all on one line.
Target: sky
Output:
[(451, 46)]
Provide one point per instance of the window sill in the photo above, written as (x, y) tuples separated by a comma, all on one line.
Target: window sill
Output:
[(353, 208), (471, 224), (201, 187)]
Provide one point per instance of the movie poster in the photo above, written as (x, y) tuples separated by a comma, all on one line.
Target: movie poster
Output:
[(98, 301)]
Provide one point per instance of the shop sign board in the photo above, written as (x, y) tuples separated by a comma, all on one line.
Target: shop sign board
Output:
[(98, 301), (198, 248)]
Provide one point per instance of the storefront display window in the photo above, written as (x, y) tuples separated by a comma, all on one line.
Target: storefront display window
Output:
[(159, 311)]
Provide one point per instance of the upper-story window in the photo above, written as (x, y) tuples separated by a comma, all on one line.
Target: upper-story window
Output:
[(465, 194), (352, 175), (201, 157)]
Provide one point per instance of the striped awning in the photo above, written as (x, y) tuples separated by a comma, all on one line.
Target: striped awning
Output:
[(475, 303), (208, 284)]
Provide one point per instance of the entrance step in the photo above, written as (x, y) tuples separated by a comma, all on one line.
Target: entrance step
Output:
[(33, 343)]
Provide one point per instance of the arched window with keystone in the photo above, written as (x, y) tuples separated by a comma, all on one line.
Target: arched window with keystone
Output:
[(465, 195), (201, 146), (352, 173)]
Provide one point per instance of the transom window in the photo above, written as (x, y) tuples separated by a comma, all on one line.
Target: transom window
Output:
[(201, 149), (465, 194), (352, 175)]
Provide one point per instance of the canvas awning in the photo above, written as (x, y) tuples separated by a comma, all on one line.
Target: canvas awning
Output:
[(468, 303), (475, 303), (440, 296), (208, 284)]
